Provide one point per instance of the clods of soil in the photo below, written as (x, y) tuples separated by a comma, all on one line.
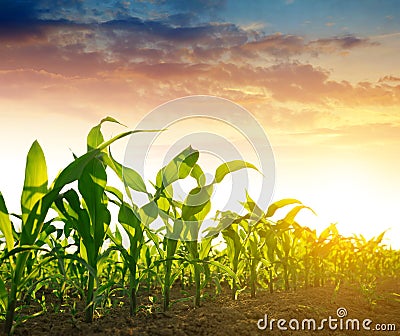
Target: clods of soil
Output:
[(219, 315)]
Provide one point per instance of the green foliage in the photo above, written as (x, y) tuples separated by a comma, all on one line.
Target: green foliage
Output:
[(82, 252)]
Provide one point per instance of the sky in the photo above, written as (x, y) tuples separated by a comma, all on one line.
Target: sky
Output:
[(321, 77)]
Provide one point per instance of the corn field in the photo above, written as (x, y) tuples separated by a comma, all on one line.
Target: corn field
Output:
[(65, 240)]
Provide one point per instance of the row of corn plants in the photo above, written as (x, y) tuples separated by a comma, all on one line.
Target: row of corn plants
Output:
[(66, 242)]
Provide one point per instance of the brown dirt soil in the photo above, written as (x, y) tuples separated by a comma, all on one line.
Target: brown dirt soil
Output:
[(219, 315)]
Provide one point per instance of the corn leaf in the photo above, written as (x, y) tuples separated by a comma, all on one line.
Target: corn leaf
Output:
[(230, 167), (196, 202), (280, 204), (178, 168), (251, 206), (131, 224), (5, 224), (148, 213), (198, 174), (92, 185), (35, 184), (95, 137), (226, 269), (128, 176)]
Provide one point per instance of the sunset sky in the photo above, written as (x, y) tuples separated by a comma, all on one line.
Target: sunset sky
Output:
[(321, 77)]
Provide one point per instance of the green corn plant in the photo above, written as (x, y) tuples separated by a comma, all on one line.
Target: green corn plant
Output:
[(303, 235), (256, 227), (370, 257), (285, 243), (130, 221), (135, 222), (88, 215), (188, 216), (256, 237), (365, 270), (148, 263), (283, 252), (234, 244), (252, 254), (34, 208), (91, 220), (204, 254), (233, 234), (320, 248), (196, 214), (276, 237), (342, 254), (180, 167), (171, 247), (243, 245)]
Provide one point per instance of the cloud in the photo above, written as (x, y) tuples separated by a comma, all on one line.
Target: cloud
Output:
[(277, 44), (209, 8), (288, 46), (389, 79), (173, 56), (159, 31), (196, 5), (283, 83), (339, 43), (70, 60), (175, 30), (18, 21)]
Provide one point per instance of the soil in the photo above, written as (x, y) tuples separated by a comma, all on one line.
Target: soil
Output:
[(219, 315)]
